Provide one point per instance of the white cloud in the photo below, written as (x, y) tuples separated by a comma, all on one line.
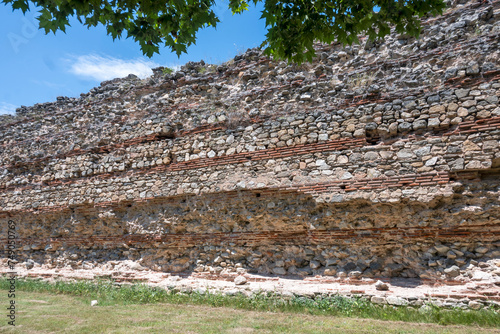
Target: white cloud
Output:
[(105, 68), (7, 108)]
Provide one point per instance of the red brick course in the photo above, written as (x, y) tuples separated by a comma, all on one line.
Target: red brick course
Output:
[(482, 125), (298, 237), (335, 187)]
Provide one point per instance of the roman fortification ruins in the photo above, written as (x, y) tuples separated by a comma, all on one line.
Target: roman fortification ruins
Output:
[(379, 161)]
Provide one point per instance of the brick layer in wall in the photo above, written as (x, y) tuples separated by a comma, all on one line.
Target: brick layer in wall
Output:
[(465, 128), (311, 237), (338, 186)]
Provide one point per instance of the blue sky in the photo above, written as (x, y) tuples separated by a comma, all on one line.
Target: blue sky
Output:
[(36, 68)]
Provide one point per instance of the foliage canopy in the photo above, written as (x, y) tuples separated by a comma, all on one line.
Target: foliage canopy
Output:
[(293, 25)]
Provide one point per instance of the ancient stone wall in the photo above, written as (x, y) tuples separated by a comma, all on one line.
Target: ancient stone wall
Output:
[(377, 160)]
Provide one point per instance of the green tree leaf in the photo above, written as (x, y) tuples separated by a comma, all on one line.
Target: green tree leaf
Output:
[(293, 25)]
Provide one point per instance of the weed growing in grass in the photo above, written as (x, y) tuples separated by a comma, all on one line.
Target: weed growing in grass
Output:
[(109, 293)]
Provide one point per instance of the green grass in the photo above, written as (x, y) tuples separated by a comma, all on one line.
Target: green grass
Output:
[(62, 313), (112, 295)]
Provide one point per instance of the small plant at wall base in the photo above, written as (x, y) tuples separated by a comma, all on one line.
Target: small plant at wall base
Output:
[(293, 25)]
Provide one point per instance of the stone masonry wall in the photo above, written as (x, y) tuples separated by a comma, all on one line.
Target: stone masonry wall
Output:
[(377, 160)]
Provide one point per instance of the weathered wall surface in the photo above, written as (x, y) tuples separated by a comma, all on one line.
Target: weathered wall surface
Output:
[(378, 160)]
